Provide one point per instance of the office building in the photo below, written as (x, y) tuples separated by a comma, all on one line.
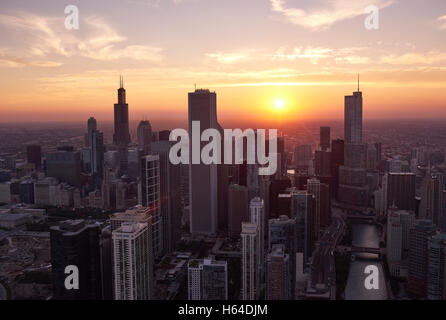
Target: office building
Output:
[(278, 274), (144, 137), (76, 243), (436, 289), (34, 156), (419, 237), (92, 125), (150, 198), (170, 195), (207, 279), (203, 178), (324, 142), (121, 135), (238, 211)]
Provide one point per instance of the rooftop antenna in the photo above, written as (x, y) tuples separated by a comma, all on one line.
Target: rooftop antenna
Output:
[(358, 82), (195, 86)]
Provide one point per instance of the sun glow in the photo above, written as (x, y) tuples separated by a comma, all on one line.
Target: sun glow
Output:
[(279, 104)]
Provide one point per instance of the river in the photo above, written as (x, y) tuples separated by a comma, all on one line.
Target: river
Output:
[(365, 235)]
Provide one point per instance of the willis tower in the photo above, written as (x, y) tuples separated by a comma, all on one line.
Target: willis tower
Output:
[(121, 136)]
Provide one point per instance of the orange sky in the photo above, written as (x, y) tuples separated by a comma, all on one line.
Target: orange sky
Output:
[(250, 53)]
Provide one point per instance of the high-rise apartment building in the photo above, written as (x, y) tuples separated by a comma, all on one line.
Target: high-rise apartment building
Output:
[(133, 279), (250, 287)]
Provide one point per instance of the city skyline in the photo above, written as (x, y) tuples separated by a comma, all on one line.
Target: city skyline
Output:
[(273, 53)]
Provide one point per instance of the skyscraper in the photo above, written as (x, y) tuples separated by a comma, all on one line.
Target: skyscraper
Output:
[(237, 209), (419, 238), (401, 190), (208, 279), (144, 136), (97, 157), (303, 156), (250, 288), (324, 142), (432, 206), (282, 231), (314, 188), (65, 165), (34, 156), (203, 178), (257, 216), (302, 206), (353, 118), (150, 198), (170, 198), (337, 160), (353, 188), (121, 136), (437, 268), (131, 262), (92, 125), (75, 242), (278, 274)]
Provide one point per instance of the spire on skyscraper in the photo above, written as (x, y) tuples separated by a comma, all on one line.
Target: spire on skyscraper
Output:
[(358, 82)]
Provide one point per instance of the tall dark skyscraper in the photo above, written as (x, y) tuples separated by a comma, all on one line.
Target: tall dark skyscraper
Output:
[(353, 188), (74, 242), (121, 136), (203, 179), (324, 143), (97, 157), (337, 160), (144, 136), (34, 155), (419, 237), (91, 126), (353, 118)]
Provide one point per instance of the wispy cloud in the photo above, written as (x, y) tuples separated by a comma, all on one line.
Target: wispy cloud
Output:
[(442, 22), (325, 15), (46, 36), (413, 58), (227, 58)]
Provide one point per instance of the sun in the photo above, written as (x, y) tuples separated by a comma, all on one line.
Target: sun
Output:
[(279, 104)]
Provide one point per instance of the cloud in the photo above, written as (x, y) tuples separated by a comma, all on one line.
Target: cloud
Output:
[(427, 58), (311, 53), (442, 22), (96, 39), (331, 12)]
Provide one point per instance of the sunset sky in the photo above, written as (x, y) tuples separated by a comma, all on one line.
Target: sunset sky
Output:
[(253, 53)]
